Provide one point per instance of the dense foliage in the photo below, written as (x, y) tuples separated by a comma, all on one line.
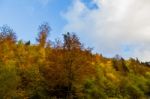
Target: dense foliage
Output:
[(66, 70)]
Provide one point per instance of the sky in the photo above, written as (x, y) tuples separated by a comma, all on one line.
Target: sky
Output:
[(110, 27)]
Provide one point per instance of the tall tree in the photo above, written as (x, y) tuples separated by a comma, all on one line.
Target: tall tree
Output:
[(44, 30), (7, 34), (7, 43), (71, 41), (75, 61)]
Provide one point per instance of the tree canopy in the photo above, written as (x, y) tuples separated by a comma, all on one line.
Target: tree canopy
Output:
[(66, 70)]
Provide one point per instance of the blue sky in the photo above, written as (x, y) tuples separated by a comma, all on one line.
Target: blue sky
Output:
[(109, 26), (24, 16)]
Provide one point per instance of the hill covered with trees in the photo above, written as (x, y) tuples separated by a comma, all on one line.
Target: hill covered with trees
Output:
[(66, 70)]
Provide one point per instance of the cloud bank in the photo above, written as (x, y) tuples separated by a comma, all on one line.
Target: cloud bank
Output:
[(112, 26)]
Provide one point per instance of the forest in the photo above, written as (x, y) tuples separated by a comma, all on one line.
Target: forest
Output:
[(66, 69)]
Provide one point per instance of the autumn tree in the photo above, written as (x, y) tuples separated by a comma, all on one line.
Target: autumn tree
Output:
[(7, 34), (119, 64), (8, 72), (44, 31), (7, 43), (75, 61), (71, 42)]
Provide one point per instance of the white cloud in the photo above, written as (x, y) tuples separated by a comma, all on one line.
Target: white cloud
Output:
[(113, 25)]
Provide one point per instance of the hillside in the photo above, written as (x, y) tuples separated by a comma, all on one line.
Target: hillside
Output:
[(66, 70)]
